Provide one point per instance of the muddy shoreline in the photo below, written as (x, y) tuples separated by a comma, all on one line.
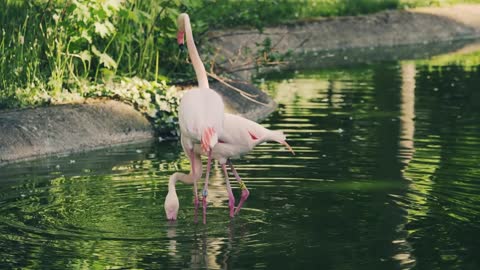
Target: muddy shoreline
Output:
[(32, 133)]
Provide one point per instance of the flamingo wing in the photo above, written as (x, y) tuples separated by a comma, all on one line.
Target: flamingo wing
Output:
[(201, 110)]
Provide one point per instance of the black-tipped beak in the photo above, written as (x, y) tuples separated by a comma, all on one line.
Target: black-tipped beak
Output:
[(181, 47)]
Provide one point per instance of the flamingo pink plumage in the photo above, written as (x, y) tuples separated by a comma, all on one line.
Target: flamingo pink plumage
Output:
[(239, 136), (201, 110)]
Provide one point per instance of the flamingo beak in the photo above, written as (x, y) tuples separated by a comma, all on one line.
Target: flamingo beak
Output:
[(181, 40), (287, 146)]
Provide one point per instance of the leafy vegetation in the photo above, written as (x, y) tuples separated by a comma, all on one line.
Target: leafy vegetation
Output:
[(56, 51), (52, 50)]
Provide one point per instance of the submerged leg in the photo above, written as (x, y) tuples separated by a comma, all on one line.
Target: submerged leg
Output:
[(195, 190), (231, 198), (243, 187), (205, 189)]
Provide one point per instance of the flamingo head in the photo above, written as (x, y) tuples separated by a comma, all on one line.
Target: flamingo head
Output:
[(171, 205), (280, 138), (287, 146), (181, 21)]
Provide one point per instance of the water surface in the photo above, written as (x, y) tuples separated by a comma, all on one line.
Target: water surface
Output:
[(386, 176)]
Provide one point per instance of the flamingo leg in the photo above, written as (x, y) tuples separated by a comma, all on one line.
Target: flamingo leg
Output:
[(231, 198), (195, 189), (243, 187), (205, 189)]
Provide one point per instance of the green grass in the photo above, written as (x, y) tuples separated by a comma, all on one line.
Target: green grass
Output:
[(261, 13)]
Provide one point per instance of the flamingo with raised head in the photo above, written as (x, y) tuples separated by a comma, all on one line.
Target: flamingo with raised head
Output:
[(200, 113)]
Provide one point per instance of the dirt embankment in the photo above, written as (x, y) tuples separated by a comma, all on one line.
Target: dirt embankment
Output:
[(58, 129), (237, 49)]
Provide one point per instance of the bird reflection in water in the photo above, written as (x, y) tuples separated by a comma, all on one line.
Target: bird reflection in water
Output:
[(206, 251)]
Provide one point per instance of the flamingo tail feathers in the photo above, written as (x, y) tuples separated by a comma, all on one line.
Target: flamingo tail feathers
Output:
[(209, 139)]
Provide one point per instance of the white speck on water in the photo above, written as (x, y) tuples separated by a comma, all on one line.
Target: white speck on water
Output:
[(324, 155), (435, 89), (350, 118), (138, 151), (72, 161), (57, 166), (340, 130)]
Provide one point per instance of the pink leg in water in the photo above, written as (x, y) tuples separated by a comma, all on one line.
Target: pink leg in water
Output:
[(243, 187), (231, 198), (205, 189), (195, 190)]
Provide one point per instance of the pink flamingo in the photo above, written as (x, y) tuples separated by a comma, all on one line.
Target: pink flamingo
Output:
[(200, 113), (239, 137)]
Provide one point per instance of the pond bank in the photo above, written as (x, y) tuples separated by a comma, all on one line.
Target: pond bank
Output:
[(60, 129), (238, 51)]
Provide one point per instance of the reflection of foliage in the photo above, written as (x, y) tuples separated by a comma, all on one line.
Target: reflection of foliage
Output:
[(468, 61)]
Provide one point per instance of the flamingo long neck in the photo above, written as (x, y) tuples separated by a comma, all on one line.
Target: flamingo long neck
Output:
[(185, 178), (195, 57)]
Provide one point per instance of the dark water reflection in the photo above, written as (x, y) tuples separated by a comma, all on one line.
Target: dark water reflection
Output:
[(386, 177)]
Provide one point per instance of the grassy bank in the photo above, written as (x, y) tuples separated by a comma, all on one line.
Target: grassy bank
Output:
[(54, 51)]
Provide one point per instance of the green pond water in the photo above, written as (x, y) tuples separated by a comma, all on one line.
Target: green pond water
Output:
[(386, 176)]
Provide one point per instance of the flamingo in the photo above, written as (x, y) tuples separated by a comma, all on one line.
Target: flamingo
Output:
[(239, 137), (201, 111)]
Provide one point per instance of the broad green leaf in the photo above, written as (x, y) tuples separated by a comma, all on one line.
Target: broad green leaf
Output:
[(101, 29), (85, 56), (105, 59)]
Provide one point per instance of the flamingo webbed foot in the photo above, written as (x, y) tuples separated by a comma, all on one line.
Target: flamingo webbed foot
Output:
[(243, 198)]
